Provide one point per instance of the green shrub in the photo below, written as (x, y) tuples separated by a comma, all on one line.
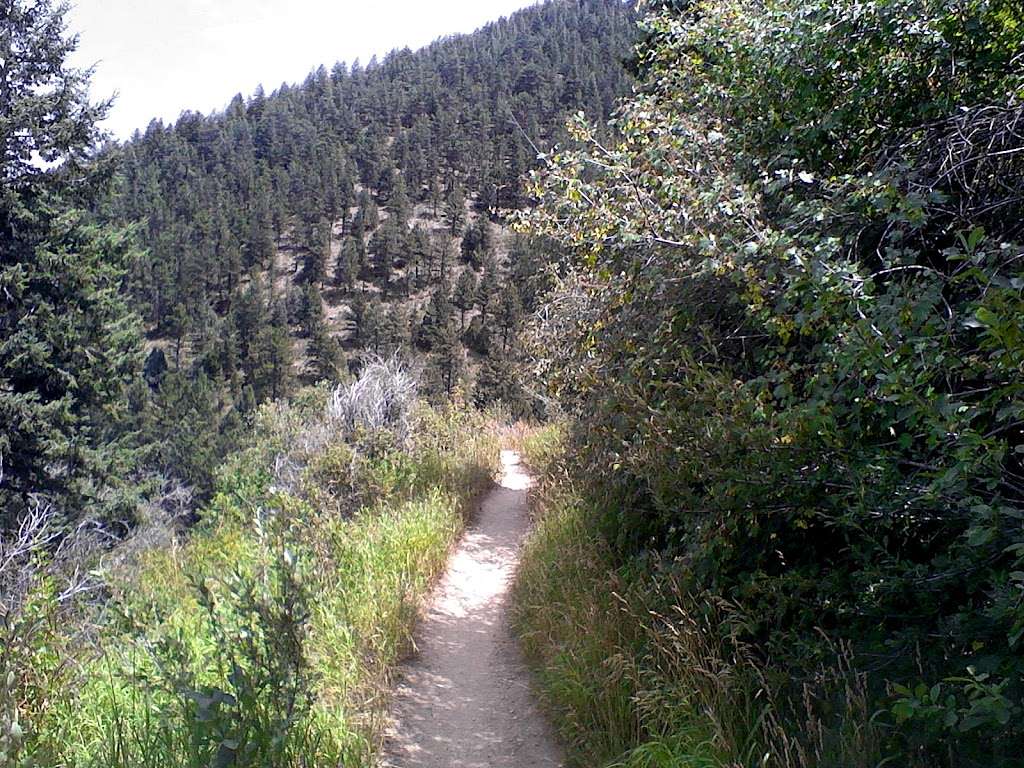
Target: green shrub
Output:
[(637, 671), (788, 335)]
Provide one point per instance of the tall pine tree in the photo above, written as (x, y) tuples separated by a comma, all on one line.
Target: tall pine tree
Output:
[(69, 346)]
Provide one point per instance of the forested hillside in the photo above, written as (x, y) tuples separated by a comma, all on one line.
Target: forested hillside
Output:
[(360, 211), (289, 239)]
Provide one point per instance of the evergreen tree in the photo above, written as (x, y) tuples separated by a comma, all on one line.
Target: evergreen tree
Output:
[(527, 271), (371, 325), (490, 286), (346, 269), (226, 195), (278, 355), (318, 251), (261, 248), (436, 194), (396, 334), (418, 258), (476, 243), (387, 245), (185, 429), (398, 204), (447, 361), (509, 313), (312, 317), (440, 314), (367, 217), (455, 210), (326, 359), (69, 346), (498, 381), (464, 296)]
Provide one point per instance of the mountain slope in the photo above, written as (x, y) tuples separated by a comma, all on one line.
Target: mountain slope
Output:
[(359, 212), (220, 194)]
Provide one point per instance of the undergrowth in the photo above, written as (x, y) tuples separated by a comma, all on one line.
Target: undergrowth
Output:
[(267, 633), (639, 673)]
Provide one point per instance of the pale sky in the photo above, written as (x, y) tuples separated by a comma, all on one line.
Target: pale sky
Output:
[(162, 57)]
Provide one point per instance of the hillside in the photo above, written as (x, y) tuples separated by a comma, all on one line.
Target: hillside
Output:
[(359, 213), (360, 181)]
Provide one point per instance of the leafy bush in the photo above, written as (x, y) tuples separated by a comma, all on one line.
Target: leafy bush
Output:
[(790, 334), (248, 699), (638, 671)]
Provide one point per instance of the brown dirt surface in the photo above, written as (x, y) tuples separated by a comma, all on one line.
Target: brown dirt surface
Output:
[(464, 698)]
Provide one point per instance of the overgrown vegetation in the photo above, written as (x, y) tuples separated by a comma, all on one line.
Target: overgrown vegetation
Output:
[(267, 636), (637, 670), (789, 335)]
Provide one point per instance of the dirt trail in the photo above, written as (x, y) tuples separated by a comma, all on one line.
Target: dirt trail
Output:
[(464, 700)]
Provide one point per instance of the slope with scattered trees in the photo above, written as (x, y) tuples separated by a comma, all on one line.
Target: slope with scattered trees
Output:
[(294, 231)]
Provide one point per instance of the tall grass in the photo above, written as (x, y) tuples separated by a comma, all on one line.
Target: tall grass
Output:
[(268, 634), (639, 673)]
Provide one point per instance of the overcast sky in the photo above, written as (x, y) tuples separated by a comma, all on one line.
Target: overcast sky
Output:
[(163, 57)]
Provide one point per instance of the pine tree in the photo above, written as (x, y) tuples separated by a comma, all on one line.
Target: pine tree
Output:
[(447, 360), (436, 194), (387, 245), (476, 243), (312, 314), (260, 248), (464, 296), (455, 210), (277, 355), (371, 325), (69, 346), (490, 286), (498, 381), (440, 314), (367, 217), (509, 313), (396, 334), (346, 268), (185, 429), (417, 257), (398, 204), (318, 251), (326, 358)]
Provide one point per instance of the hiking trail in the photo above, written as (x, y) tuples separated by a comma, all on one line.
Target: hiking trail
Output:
[(464, 700)]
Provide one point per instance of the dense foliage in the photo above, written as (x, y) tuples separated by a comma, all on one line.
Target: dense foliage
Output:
[(791, 332), (70, 346)]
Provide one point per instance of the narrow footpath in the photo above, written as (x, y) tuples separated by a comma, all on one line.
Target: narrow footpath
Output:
[(464, 699)]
